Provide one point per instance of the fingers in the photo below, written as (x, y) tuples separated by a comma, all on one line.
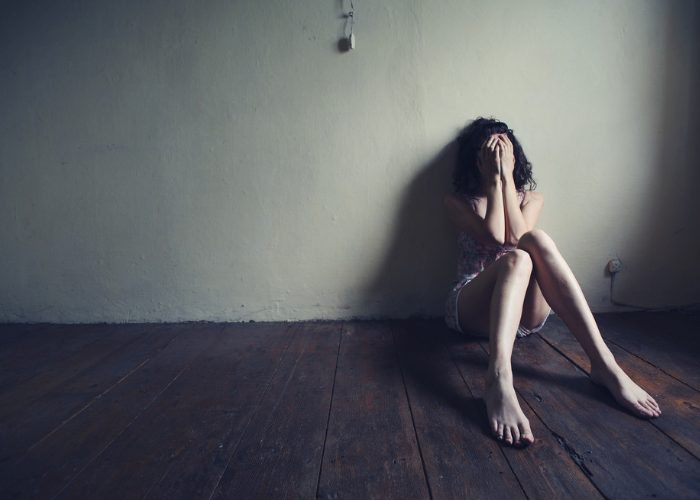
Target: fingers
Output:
[(492, 139), (492, 142), (505, 140), (498, 139), (491, 154)]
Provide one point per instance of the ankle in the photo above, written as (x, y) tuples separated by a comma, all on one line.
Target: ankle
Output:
[(604, 364), (500, 375)]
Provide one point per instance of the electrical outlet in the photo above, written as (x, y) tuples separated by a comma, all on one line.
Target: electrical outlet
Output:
[(614, 266)]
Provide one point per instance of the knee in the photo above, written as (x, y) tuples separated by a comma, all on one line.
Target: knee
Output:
[(518, 262), (536, 240)]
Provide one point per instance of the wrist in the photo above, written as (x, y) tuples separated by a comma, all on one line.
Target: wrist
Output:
[(494, 180), (507, 178)]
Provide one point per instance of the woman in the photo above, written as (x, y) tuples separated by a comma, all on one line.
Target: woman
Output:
[(511, 275)]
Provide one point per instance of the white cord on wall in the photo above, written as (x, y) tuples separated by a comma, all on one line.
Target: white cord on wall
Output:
[(349, 41)]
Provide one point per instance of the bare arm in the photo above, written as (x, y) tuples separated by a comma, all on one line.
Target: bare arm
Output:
[(530, 211), (519, 219), (516, 223), (495, 211), (491, 178), (492, 228)]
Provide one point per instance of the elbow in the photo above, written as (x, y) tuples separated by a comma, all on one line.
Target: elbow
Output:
[(496, 240), (513, 239)]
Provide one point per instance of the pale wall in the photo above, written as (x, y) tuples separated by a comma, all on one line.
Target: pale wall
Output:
[(173, 160)]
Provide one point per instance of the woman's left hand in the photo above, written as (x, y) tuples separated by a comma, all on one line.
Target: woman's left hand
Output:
[(506, 156)]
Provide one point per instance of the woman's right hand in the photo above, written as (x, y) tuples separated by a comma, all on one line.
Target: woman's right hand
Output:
[(489, 161)]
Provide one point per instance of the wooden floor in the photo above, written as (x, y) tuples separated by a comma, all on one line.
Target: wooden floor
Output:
[(337, 410)]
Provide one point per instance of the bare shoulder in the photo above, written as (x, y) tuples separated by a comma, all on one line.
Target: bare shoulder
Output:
[(460, 207), (455, 200), (533, 197)]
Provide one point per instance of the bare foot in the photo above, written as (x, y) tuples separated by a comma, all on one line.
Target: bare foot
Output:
[(506, 420), (625, 391)]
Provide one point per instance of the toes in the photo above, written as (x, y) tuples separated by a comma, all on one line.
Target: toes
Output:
[(655, 412), (494, 427), (650, 403), (499, 432), (515, 432), (655, 404), (507, 436), (526, 436), (642, 410)]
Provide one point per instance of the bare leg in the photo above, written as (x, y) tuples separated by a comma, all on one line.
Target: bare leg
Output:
[(500, 291), (564, 295)]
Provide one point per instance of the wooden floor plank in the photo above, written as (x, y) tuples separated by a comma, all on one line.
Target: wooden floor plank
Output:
[(76, 348), (394, 410), (39, 350), (461, 460), (371, 449), (279, 454), (143, 452), (58, 459), (625, 457), (679, 403), (29, 424), (545, 469), (213, 437), (668, 340), (23, 336), (11, 333)]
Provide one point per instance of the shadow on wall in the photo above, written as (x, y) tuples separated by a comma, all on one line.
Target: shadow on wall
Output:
[(414, 276), (664, 271)]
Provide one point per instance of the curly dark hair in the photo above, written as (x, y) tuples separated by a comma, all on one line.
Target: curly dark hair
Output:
[(466, 178)]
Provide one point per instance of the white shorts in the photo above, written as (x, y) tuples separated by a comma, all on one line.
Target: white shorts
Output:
[(452, 310)]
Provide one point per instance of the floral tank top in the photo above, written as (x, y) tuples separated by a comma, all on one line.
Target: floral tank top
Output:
[(474, 256)]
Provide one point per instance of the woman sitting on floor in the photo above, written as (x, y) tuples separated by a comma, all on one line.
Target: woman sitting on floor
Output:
[(511, 275)]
